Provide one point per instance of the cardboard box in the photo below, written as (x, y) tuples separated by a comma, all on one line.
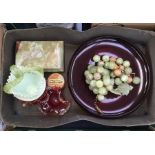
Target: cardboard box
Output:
[(2, 31), (142, 26), (12, 111)]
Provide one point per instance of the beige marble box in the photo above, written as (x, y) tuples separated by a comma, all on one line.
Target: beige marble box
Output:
[(45, 54)]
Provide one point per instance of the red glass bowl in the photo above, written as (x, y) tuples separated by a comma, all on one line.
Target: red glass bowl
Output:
[(113, 106)]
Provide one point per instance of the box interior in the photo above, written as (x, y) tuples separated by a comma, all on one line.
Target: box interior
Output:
[(14, 114)]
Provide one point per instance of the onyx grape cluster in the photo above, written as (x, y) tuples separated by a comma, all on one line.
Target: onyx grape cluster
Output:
[(110, 74)]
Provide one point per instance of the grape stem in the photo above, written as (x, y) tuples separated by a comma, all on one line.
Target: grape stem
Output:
[(98, 109)]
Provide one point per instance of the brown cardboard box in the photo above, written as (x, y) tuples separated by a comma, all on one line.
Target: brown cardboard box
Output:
[(2, 30), (143, 26)]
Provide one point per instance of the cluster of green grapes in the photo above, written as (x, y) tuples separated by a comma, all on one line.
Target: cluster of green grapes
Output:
[(106, 72)]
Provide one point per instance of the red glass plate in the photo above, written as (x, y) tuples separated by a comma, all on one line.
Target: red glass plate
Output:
[(113, 106)]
